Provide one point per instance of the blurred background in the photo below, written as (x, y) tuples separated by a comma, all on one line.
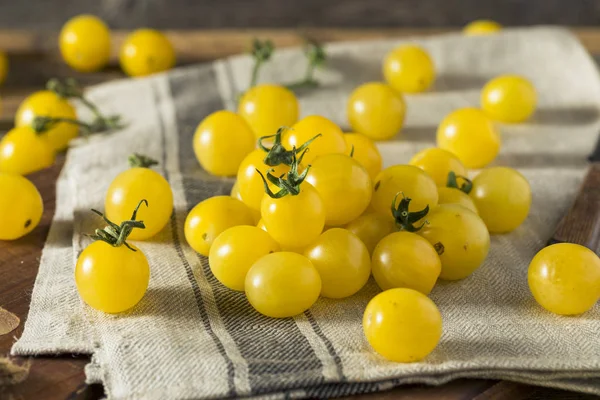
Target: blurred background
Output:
[(211, 14)]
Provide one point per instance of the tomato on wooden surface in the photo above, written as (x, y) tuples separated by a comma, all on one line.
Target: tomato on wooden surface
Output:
[(365, 152), (409, 69), (438, 163), (23, 151), (145, 52), (21, 206), (509, 98), (84, 43)]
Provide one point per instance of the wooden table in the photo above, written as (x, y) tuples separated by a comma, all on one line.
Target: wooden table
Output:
[(33, 60)]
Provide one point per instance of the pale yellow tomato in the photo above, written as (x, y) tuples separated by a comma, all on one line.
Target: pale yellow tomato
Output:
[(84, 43), (47, 104), (235, 193), (343, 185), (145, 52), (365, 152), (438, 163), (509, 98), (268, 107), (405, 260), (371, 228), (503, 198), (402, 325), (342, 261), (565, 278), (482, 27), (209, 218), (222, 141), (21, 206), (409, 69), (470, 135), (449, 195), (22, 151), (413, 182), (282, 285), (330, 141), (376, 110)]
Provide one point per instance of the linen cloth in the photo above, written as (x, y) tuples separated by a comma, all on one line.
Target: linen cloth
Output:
[(190, 337)]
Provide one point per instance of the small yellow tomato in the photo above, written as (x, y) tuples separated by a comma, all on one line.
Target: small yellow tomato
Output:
[(344, 186), (251, 185), (21, 206), (268, 107), (449, 195), (342, 261), (145, 52), (413, 182), (111, 279), (261, 225), (3, 67), (126, 191), (376, 111), (509, 98), (405, 260), (235, 250), (84, 43), (330, 141), (438, 163), (365, 152), (460, 238), (235, 193), (294, 221), (282, 285), (209, 218), (470, 135), (482, 27), (22, 151), (565, 278), (371, 228), (47, 104), (402, 325), (503, 198), (409, 69), (222, 140)]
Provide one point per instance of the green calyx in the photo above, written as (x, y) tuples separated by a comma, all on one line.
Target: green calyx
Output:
[(287, 183), (141, 161), (261, 52), (278, 154), (316, 57), (116, 235), (405, 219), (452, 182)]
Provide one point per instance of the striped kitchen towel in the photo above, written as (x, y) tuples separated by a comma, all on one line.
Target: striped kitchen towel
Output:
[(190, 337)]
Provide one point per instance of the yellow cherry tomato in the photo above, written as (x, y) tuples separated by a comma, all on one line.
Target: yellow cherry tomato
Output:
[(471, 135), (235, 193), (21, 206), (282, 285), (294, 221), (222, 140), (409, 69), (402, 325), (509, 98), (3, 67), (261, 225), (343, 262), (376, 111), (502, 197), (251, 185), (145, 52), (438, 163), (126, 191), (460, 238), (565, 278), (268, 107), (449, 195), (481, 27), (344, 186), (405, 260), (22, 151), (111, 279), (365, 152), (235, 250), (330, 141), (371, 228), (84, 43), (209, 218), (47, 104), (408, 179)]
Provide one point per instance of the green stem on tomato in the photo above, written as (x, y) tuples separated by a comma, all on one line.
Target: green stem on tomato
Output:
[(405, 219), (116, 235), (452, 182)]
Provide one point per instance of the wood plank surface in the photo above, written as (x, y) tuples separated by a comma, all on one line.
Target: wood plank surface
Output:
[(34, 59)]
